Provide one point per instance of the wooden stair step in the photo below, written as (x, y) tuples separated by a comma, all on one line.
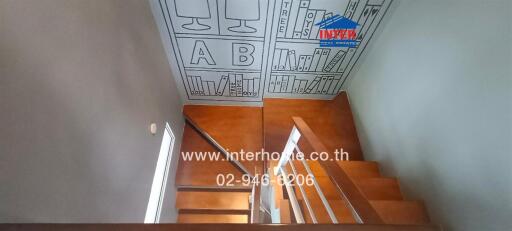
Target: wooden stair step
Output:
[(207, 188), (332, 194), (354, 169), (331, 120), (213, 200), (201, 173), (360, 169), (235, 128), (212, 218), (339, 207), (215, 211), (382, 188), (318, 209), (324, 182), (401, 212), (328, 189), (285, 211)]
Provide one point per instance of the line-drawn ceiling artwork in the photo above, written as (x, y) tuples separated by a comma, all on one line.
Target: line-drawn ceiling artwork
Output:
[(241, 51)]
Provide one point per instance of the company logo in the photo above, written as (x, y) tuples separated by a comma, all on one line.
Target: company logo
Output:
[(338, 31)]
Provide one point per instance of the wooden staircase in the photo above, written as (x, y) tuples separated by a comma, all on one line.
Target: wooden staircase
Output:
[(383, 193), (199, 198), (212, 206), (351, 188)]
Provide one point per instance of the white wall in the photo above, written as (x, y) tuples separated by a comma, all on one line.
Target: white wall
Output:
[(433, 102), (80, 82), (219, 43)]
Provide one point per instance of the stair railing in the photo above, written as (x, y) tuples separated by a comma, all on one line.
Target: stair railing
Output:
[(299, 218), (255, 203), (362, 211), (290, 148), (219, 147)]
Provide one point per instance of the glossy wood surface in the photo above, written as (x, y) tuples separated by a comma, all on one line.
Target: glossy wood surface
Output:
[(256, 203), (213, 200), (354, 169), (285, 212), (382, 188), (401, 212), (331, 121), (330, 192), (377, 199), (339, 208), (234, 128), (212, 218), (212, 227), (339, 177), (201, 173)]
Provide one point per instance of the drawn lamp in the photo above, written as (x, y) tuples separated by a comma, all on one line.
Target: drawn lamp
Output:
[(194, 9), (243, 10)]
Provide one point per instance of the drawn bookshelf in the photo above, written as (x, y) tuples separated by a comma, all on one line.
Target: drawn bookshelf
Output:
[(230, 85), (219, 47), (320, 60), (245, 50), (297, 84), (299, 66)]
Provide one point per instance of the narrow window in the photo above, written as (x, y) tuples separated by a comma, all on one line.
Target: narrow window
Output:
[(160, 179)]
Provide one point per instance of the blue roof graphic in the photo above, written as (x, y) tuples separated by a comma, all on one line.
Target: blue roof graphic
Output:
[(337, 22)]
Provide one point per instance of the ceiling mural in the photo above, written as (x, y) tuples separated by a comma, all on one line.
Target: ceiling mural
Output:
[(241, 51)]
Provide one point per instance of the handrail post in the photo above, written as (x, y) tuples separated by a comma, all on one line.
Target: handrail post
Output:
[(288, 149), (285, 156)]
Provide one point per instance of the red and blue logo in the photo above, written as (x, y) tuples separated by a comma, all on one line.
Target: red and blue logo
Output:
[(338, 31)]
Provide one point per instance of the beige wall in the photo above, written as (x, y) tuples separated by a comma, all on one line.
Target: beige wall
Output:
[(80, 81)]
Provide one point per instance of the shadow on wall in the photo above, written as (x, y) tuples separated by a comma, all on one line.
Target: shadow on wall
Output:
[(82, 87)]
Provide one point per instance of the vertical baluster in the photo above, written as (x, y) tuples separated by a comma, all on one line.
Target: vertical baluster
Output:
[(280, 170), (304, 196), (255, 203), (319, 190), (293, 199)]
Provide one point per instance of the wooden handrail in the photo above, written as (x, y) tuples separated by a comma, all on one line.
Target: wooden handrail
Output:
[(216, 144), (361, 208)]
